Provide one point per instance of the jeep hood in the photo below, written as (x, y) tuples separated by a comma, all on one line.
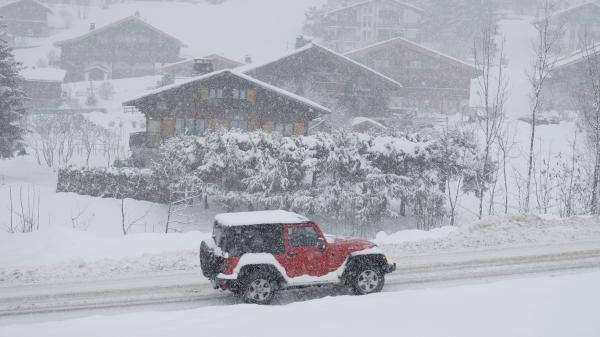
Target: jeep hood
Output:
[(351, 245)]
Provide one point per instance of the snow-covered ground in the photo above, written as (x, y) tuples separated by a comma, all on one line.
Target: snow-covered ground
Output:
[(544, 306)]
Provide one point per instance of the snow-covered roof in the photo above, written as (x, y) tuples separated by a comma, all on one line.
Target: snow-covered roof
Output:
[(364, 120), (580, 7), (116, 24), (261, 84), (43, 74), (259, 218), (576, 57), (401, 3), (34, 2), (414, 46), (211, 57), (251, 67)]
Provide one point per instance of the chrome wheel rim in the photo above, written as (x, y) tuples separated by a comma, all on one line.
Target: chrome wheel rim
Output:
[(368, 281), (259, 290)]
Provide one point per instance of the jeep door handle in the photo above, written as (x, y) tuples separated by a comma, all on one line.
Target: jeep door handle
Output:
[(292, 253)]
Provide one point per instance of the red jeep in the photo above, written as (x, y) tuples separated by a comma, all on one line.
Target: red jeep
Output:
[(254, 254)]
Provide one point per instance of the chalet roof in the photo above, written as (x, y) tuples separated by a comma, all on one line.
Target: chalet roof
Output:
[(584, 7), (43, 74), (413, 46), (223, 59), (205, 77), (115, 24), (313, 46), (401, 3), (32, 2), (576, 57), (206, 58)]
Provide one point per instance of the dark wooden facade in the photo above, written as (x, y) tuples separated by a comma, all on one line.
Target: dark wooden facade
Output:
[(222, 99), (432, 82), (577, 24), (126, 48), (26, 18), (333, 80), (43, 87)]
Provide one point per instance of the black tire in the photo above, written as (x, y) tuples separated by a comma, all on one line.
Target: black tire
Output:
[(259, 287), (367, 279)]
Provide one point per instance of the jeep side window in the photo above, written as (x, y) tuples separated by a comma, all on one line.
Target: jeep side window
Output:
[(303, 236)]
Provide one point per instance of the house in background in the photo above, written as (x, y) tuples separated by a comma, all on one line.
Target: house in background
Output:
[(349, 88), (432, 82), (367, 22), (199, 66), (576, 23), (25, 18), (569, 82), (126, 48), (43, 87), (222, 99)]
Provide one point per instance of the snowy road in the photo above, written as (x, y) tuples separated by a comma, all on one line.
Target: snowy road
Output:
[(185, 288)]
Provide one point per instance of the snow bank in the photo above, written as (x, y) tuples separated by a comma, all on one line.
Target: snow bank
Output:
[(545, 306), (496, 232), (383, 238), (61, 244)]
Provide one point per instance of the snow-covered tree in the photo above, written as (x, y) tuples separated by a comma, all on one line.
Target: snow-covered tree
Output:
[(11, 104)]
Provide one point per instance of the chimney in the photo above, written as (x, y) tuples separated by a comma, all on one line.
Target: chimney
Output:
[(92, 26), (248, 59)]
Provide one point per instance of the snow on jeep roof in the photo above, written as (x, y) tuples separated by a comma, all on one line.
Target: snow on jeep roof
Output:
[(259, 218)]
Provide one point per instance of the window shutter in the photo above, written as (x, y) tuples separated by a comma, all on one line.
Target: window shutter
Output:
[(204, 93), (299, 129), (251, 95)]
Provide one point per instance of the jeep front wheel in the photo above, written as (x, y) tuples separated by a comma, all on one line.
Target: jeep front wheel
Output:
[(368, 280), (259, 288)]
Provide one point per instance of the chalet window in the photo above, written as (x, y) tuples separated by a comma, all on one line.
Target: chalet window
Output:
[(179, 127), (212, 93), (288, 129), (199, 127), (240, 125), (242, 93), (279, 128), (190, 127), (219, 93)]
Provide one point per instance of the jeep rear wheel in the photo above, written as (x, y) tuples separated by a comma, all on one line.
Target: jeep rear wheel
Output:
[(367, 280), (259, 288)]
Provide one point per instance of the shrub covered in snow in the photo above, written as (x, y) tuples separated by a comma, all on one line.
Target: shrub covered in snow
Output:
[(352, 177), (110, 183)]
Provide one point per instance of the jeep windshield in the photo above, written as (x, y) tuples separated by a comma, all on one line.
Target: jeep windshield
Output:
[(239, 240)]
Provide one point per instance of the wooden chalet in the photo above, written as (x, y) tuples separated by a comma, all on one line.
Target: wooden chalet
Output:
[(432, 82), (43, 87), (126, 48), (199, 66), (576, 24), (223, 99), (331, 79), (367, 22), (25, 18), (570, 79)]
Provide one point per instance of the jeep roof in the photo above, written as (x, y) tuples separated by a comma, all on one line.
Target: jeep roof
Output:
[(259, 218)]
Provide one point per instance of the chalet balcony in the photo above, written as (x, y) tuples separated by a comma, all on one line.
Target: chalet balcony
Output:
[(144, 139)]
